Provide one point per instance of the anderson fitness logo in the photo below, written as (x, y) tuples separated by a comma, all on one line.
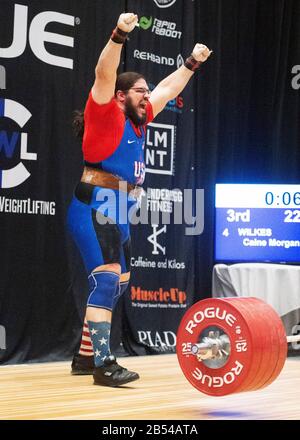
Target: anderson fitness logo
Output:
[(17, 174)]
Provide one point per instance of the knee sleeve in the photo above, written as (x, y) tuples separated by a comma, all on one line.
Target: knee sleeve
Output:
[(104, 286), (124, 281)]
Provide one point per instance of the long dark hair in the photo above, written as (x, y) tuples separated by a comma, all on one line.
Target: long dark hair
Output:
[(124, 82)]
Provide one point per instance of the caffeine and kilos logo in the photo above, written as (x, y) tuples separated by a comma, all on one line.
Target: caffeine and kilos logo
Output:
[(163, 28), (164, 3), (13, 144)]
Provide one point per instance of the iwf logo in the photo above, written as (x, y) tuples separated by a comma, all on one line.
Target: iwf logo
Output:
[(16, 175)]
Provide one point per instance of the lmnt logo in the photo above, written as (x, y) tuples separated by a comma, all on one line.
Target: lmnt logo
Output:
[(38, 36), (160, 148), (16, 175)]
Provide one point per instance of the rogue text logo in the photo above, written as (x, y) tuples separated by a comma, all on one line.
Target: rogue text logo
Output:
[(160, 27), (16, 175), (164, 3), (153, 239), (2, 338), (160, 146), (37, 36)]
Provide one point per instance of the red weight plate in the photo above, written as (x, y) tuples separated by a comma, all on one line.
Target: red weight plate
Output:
[(277, 324), (260, 341), (272, 347), (219, 313)]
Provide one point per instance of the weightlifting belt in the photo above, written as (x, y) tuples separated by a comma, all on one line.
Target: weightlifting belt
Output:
[(104, 179)]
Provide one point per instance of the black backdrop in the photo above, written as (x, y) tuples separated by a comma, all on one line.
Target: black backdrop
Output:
[(237, 121)]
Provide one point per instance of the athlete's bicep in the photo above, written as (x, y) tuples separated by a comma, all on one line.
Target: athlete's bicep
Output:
[(103, 88)]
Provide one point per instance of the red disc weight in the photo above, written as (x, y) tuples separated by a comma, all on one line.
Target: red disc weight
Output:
[(281, 342), (272, 348), (261, 341), (225, 316)]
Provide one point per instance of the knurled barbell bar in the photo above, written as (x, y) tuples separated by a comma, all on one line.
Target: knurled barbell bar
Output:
[(229, 345)]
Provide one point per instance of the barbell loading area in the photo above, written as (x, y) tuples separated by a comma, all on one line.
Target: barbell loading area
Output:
[(230, 345)]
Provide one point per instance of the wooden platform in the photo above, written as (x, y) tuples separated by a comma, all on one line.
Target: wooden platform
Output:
[(48, 391)]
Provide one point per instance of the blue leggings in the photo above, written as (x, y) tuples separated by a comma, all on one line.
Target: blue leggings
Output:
[(101, 243)]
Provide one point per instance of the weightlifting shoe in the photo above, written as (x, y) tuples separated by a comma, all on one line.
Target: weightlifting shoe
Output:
[(82, 365), (111, 374)]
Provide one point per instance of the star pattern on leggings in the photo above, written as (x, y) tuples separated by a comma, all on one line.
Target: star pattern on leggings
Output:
[(102, 341), (94, 331), (97, 353)]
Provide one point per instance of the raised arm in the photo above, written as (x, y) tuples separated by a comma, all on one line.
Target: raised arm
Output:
[(172, 85), (109, 60)]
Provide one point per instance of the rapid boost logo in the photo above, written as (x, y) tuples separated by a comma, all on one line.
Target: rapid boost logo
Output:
[(160, 27), (16, 175), (37, 36), (160, 148)]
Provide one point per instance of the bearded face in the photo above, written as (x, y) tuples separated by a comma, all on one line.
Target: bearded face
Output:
[(135, 109)]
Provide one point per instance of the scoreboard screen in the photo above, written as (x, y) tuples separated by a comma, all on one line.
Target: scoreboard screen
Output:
[(257, 222)]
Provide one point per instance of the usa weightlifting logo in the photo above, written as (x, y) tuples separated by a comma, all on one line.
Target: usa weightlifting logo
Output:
[(13, 145)]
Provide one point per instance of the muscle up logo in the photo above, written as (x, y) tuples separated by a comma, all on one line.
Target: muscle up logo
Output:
[(12, 176), (164, 3), (160, 148)]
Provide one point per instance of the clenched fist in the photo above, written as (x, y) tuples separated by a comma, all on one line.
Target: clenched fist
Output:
[(127, 22), (201, 52)]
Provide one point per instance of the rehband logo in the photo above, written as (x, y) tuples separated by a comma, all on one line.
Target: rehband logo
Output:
[(148, 56), (15, 176), (37, 36), (164, 3)]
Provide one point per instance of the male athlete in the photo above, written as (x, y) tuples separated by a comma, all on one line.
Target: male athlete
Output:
[(115, 118)]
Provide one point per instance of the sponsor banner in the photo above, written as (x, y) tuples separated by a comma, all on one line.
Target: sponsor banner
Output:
[(163, 28), (160, 148)]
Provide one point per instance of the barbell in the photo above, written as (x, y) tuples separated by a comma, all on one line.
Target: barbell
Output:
[(229, 345)]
